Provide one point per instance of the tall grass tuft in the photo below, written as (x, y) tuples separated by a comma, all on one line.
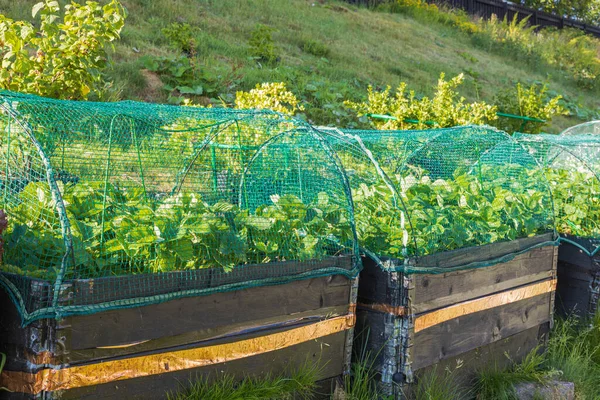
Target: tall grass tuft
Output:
[(435, 386), (496, 384), (300, 384), (574, 350), (361, 383)]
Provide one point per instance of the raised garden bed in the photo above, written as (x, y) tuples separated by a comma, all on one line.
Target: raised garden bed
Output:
[(144, 352), (418, 321)]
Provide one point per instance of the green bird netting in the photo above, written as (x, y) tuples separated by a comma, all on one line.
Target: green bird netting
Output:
[(572, 166), (587, 128), (124, 204), (422, 193)]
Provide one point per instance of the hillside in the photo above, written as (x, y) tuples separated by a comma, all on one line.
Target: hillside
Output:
[(361, 47)]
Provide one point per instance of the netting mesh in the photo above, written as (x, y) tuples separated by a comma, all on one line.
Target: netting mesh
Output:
[(419, 193), (571, 164), (123, 204), (587, 128)]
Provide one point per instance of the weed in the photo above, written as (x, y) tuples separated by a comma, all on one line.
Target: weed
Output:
[(497, 384), (261, 44)]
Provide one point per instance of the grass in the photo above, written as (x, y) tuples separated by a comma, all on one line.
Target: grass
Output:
[(573, 355), (296, 385), (328, 51), (434, 385)]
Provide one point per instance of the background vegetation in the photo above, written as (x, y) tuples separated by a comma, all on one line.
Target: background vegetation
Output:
[(327, 52)]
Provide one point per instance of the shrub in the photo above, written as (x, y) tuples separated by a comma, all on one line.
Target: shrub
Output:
[(273, 96), (65, 57), (181, 37), (445, 109), (261, 43), (533, 102)]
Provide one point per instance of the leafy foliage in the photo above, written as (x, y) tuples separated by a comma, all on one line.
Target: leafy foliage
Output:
[(273, 96), (130, 235), (531, 102), (181, 37), (64, 58), (445, 109), (576, 195), (584, 10), (447, 214)]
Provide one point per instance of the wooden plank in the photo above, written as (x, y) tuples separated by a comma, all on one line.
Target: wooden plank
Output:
[(174, 323), (500, 354), (326, 352), (182, 358), (471, 331), (176, 317), (567, 272), (575, 256), (469, 255), (96, 354), (435, 291), (441, 315), (576, 272)]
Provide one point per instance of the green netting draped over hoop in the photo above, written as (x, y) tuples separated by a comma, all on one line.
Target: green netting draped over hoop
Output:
[(421, 193), (572, 166), (587, 128), (123, 204)]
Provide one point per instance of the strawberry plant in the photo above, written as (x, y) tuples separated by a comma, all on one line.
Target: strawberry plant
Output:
[(446, 214), (124, 233)]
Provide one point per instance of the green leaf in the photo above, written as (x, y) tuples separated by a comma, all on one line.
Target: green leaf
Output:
[(36, 8)]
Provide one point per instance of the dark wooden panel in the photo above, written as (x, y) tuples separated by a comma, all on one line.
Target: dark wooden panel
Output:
[(572, 295), (469, 332), (174, 323), (229, 331), (500, 354), (179, 316), (575, 256), (486, 252), (327, 352), (373, 283), (578, 273), (435, 291)]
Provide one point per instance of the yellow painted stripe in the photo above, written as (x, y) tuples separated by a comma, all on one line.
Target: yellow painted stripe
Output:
[(472, 306), (135, 367), (123, 346)]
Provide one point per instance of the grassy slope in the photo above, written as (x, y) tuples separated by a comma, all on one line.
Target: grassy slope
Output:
[(365, 47)]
